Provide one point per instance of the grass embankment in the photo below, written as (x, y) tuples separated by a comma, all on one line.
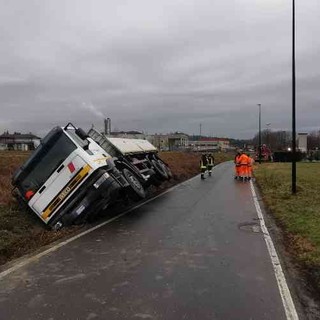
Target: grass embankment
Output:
[(22, 232), (186, 165), (298, 215)]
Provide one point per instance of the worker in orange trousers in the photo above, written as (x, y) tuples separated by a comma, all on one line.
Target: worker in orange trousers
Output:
[(243, 161), (250, 167)]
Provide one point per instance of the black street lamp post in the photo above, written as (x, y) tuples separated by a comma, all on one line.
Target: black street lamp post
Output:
[(268, 133), (294, 165)]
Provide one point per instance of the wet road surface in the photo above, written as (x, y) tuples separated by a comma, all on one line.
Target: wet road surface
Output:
[(189, 254)]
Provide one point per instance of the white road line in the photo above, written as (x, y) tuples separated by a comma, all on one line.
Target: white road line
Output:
[(26, 261), (287, 301)]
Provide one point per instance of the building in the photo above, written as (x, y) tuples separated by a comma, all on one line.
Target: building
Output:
[(169, 142), (163, 142), (160, 141), (210, 144), (303, 142), (18, 141)]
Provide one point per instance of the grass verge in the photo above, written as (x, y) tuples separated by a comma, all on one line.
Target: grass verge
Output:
[(298, 215)]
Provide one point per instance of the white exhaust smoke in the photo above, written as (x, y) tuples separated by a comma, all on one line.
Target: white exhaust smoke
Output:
[(90, 107)]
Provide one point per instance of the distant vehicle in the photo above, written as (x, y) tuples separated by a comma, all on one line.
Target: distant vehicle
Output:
[(72, 176), (266, 154)]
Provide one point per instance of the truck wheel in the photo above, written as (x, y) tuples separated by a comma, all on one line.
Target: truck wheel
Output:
[(168, 170), (136, 187), (160, 170)]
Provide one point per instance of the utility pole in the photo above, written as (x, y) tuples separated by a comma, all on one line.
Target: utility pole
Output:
[(200, 129), (259, 105), (268, 132), (294, 164)]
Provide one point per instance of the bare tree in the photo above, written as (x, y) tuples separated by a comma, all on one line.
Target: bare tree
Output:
[(314, 140), (275, 140)]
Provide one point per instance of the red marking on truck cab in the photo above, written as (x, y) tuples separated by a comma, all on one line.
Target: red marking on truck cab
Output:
[(71, 167)]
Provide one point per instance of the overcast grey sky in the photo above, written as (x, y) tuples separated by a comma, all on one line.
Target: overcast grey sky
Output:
[(157, 65)]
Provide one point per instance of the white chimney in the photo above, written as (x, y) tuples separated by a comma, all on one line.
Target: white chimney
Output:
[(107, 126)]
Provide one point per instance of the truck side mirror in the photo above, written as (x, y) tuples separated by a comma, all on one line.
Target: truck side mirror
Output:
[(81, 134)]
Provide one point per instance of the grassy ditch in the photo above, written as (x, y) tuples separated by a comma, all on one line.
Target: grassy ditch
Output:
[(298, 215), (22, 232)]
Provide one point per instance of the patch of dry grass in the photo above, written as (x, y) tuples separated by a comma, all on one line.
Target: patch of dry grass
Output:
[(298, 215), (20, 231), (10, 161), (185, 165)]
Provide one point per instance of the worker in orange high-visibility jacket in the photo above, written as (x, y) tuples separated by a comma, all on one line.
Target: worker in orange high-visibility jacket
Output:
[(244, 160), (237, 165), (250, 167)]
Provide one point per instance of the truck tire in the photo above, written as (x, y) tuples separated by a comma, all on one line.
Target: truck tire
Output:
[(137, 191), (168, 170), (161, 172)]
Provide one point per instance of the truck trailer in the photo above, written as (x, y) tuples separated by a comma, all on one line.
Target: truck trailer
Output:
[(138, 155), (72, 175)]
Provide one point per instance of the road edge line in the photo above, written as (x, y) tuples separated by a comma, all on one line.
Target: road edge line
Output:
[(55, 247), (284, 290)]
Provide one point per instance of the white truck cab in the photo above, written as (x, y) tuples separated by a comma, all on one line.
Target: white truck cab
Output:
[(67, 177)]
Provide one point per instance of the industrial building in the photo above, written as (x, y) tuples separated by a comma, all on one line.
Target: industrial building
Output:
[(210, 144), (169, 142)]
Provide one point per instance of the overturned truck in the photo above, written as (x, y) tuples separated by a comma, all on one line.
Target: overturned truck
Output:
[(73, 175)]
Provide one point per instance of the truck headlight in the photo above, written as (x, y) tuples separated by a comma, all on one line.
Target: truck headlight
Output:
[(101, 180)]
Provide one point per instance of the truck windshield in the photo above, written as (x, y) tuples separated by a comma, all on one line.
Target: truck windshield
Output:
[(47, 158)]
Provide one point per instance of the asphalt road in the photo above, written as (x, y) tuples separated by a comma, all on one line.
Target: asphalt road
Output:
[(188, 254)]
